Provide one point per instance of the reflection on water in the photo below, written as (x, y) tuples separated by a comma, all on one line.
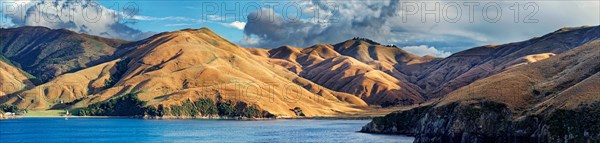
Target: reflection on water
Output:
[(140, 130)]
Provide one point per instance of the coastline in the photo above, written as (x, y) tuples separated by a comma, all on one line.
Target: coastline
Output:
[(209, 118), (367, 114)]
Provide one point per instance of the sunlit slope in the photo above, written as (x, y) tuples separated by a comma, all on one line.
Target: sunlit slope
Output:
[(552, 100), (359, 67), (192, 64), (565, 81), (467, 66), (12, 79)]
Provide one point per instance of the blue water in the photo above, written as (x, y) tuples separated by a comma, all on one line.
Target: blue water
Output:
[(140, 130)]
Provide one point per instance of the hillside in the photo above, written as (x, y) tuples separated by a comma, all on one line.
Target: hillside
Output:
[(64, 90), (465, 67), (175, 69), (171, 69), (360, 67), (553, 100), (47, 53), (12, 79), (387, 75)]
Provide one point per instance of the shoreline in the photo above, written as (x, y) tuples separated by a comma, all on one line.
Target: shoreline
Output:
[(210, 118)]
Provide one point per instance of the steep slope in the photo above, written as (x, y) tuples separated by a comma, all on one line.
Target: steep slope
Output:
[(365, 50), (12, 79), (170, 69), (348, 75), (65, 89), (47, 53), (553, 100), (553, 83), (337, 67), (467, 66)]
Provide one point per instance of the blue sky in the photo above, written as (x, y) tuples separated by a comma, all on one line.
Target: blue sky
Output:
[(412, 25), (171, 16)]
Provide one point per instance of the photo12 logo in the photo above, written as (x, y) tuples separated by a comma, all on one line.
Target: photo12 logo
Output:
[(408, 11), (288, 11), (38, 12), (472, 11)]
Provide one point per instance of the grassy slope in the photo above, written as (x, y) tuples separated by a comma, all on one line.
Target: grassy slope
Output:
[(45, 113)]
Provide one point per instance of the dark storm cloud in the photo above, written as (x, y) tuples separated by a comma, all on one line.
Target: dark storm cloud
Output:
[(383, 21)]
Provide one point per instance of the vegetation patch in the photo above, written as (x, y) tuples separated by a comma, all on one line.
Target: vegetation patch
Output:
[(581, 125), (126, 105), (298, 111), (130, 105), (397, 102), (207, 108), (121, 68), (9, 108)]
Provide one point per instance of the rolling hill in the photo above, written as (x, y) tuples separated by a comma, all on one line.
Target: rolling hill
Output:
[(185, 69), (359, 66), (170, 69), (467, 66), (46, 53), (12, 79), (553, 100)]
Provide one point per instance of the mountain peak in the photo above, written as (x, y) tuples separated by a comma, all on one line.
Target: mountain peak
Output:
[(203, 29), (365, 40)]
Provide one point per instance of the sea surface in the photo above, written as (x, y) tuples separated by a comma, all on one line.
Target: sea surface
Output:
[(141, 130)]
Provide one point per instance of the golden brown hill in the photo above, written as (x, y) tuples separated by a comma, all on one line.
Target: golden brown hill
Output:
[(467, 66), (565, 81), (12, 79), (366, 51), (170, 68), (345, 74), (553, 100), (65, 89), (372, 80), (406, 66)]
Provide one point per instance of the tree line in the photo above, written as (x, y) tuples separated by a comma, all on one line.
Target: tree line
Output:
[(130, 105)]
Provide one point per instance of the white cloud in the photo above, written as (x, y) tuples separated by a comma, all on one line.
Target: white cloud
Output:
[(87, 17), (383, 21), (5, 22), (250, 41), (236, 24), (426, 50)]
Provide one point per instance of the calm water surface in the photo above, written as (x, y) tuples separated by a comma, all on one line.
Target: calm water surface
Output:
[(140, 130)]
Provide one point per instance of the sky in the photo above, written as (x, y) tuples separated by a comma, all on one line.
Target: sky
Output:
[(429, 27)]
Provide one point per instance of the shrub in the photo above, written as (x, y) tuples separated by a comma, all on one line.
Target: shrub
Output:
[(9, 108), (207, 107), (126, 105), (575, 123), (226, 109), (121, 68)]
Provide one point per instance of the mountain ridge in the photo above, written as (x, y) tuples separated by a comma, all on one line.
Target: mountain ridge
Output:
[(553, 100), (47, 53), (172, 68)]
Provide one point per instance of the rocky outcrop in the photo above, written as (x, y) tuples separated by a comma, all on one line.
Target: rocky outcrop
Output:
[(553, 100), (489, 122)]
